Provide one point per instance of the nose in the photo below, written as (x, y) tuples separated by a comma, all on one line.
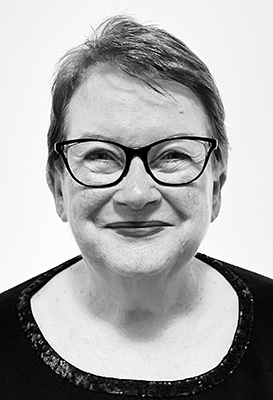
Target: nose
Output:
[(137, 189)]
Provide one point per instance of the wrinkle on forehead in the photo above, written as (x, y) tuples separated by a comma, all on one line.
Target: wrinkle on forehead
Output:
[(124, 84)]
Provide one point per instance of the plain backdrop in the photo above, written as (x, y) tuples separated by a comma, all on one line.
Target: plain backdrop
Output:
[(234, 38)]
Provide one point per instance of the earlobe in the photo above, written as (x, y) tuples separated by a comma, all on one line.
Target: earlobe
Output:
[(216, 195), (55, 185), (60, 205)]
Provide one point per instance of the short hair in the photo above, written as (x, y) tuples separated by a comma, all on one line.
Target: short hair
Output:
[(146, 53)]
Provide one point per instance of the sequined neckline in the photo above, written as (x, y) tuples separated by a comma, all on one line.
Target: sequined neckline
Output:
[(141, 388)]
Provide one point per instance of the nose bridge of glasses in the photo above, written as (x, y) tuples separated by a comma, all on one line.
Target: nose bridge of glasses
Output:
[(132, 153), (142, 164), (140, 153)]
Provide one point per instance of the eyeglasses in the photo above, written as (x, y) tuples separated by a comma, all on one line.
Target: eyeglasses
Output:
[(170, 162)]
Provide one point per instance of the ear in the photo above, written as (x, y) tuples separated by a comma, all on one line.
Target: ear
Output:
[(55, 183), (219, 180)]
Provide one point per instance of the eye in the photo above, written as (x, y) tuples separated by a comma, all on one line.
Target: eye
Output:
[(99, 155), (171, 157), (174, 155)]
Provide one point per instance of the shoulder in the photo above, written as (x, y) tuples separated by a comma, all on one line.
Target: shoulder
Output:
[(259, 285), (9, 317), (18, 361), (9, 299), (259, 356), (261, 290)]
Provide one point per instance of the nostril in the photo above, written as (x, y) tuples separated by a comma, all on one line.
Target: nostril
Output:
[(136, 194)]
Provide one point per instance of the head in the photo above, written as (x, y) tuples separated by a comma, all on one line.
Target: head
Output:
[(127, 65)]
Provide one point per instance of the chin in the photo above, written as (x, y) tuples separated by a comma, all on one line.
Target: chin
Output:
[(146, 258)]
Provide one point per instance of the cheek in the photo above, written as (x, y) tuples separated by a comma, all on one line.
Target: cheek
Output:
[(84, 205), (194, 203)]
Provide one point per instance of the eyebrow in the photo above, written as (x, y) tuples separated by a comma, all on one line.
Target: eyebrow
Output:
[(99, 136)]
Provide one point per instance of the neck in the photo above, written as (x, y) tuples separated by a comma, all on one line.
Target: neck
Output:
[(140, 305)]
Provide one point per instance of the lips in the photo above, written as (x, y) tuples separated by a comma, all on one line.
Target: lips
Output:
[(136, 224), (138, 229)]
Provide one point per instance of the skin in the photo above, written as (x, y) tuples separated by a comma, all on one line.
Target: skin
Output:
[(137, 283)]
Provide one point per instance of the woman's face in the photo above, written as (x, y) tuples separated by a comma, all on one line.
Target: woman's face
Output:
[(118, 108)]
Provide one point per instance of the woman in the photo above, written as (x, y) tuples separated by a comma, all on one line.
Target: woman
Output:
[(137, 160)]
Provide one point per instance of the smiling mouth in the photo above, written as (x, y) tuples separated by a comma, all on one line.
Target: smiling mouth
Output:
[(138, 228)]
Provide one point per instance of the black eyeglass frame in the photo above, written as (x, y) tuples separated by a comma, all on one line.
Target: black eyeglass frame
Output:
[(130, 153)]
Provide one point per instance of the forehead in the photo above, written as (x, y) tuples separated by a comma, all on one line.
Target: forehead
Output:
[(117, 106)]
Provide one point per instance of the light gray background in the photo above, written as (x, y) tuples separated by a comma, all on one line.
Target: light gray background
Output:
[(233, 37)]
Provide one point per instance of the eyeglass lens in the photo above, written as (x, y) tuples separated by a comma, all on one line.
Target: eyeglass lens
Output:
[(99, 163)]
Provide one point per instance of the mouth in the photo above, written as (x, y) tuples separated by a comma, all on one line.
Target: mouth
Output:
[(138, 228)]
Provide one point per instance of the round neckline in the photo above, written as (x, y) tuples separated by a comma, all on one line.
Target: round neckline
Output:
[(141, 388)]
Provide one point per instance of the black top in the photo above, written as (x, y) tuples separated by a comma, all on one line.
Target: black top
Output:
[(31, 369)]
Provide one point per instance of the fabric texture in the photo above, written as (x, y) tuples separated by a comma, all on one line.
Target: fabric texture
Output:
[(31, 369)]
